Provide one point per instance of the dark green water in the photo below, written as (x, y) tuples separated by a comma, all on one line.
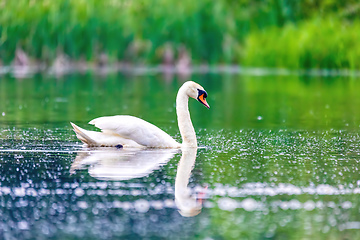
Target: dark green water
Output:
[(280, 160)]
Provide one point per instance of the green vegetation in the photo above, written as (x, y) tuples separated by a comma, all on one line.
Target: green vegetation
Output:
[(319, 43), (272, 33)]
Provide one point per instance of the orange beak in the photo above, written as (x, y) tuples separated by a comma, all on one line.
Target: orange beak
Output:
[(203, 100)]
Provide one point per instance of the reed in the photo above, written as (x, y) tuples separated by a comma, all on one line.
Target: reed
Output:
[(78, 28), (215, 32)]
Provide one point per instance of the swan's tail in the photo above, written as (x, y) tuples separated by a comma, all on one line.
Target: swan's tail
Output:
[(82, 135)]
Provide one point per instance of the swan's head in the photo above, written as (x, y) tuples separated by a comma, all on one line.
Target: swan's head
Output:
[(196, 91)]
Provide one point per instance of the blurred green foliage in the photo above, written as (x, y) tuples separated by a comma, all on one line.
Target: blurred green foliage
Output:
[(275, 33), (319, 43)]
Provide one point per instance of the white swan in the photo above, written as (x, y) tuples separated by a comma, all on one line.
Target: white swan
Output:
[(129, 131)]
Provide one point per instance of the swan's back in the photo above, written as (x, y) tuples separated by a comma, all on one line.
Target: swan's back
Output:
[(136, 129)]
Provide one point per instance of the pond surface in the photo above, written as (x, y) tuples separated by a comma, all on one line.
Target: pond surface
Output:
[(279, 159)]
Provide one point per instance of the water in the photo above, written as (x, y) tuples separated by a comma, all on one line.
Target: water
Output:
[(279, 160)]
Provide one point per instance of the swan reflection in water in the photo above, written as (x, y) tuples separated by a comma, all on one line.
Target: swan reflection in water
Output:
[(188, 205), (126, 164), (121, 164)]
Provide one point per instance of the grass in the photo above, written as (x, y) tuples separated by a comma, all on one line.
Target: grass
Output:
[(270, 33)]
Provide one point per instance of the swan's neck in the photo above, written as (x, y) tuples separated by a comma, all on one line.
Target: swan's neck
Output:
[(184, 122)]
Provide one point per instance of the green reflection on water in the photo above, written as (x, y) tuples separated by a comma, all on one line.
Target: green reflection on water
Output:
[(237, 102), (281, 157)]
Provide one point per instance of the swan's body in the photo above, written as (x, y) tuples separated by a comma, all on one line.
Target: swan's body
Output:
[(129, 131)]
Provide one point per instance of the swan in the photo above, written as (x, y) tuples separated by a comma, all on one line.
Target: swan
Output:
[(130, 131)]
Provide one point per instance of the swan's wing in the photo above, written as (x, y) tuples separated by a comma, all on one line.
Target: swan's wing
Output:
[(105, 138), (136, 129)]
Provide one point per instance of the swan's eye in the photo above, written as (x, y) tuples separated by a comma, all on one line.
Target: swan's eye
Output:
[(202, 92)]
